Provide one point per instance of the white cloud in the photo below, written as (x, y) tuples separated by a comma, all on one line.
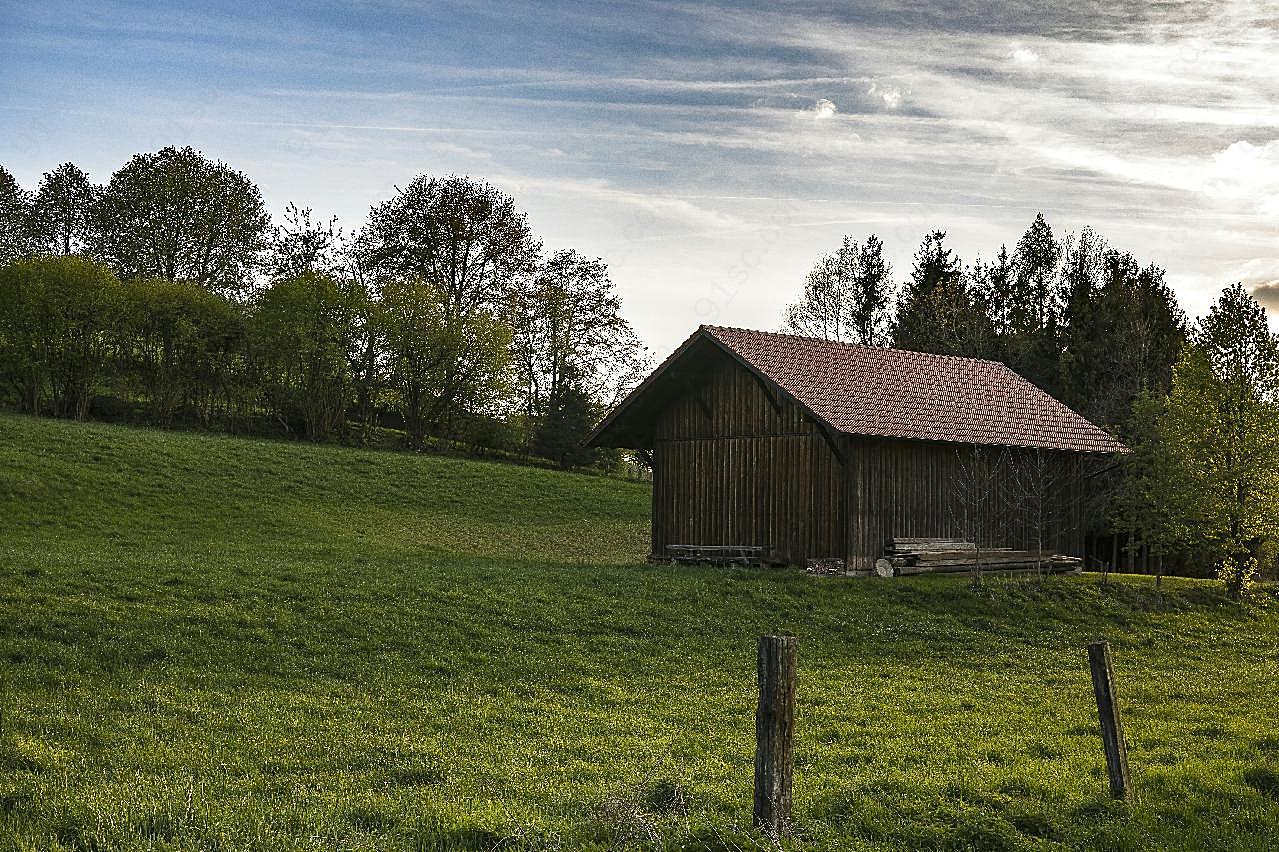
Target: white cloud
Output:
[(1244, 172), (1023, 55), (823, 109), (888, 96)]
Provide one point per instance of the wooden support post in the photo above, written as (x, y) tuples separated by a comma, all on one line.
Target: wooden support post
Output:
[(774, 734), (1112, 732)]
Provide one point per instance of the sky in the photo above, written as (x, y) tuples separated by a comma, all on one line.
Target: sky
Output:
[(708, 152)]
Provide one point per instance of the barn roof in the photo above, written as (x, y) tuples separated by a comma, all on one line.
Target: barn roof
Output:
[(889, 393)]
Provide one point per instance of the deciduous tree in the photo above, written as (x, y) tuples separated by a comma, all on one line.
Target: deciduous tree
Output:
[(846, 296), (177, 215), (1220, 435), (464, 237), (306, 335), (56, 319), (566, 321), (173, 340), (437, 361), (60, 210)]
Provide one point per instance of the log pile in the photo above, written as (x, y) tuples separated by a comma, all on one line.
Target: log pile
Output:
[(905, 556)]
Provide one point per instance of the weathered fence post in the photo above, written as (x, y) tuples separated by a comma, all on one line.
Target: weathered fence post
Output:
[(1112, 732), (774, 733)]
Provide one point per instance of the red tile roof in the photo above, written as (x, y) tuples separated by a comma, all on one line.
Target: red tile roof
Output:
[(897, 394)]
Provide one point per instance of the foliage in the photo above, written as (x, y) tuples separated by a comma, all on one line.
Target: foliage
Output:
[(60, 210), (15, 219), (1219, 434), (569, 418), (1141, 506), (937, 311), (437, 360), (306, 335), (465, 237), (566, 323), (214, 643), (846, 296), (456, 246), (1238, 575), (177, 343), (301, 246), (1123, 331), (56, 314), (176, 215)]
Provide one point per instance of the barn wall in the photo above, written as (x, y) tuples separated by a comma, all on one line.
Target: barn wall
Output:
[(733, 466), (1000, 497)]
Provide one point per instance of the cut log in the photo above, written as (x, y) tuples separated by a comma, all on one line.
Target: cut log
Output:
[(884, 568)]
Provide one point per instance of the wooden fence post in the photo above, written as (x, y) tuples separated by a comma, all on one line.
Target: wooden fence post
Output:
[(774, 734), (1112, 732)]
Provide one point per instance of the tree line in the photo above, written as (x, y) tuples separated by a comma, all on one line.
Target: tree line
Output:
[(166, 297), (1196, 403)]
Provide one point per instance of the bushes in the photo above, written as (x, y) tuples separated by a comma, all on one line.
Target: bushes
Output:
[(159, 351), (306, 333), (307, 354), (56, 314), (178, 345)]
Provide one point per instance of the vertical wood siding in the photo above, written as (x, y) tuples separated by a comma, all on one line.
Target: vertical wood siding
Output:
[(733, 466), (1000, 497)]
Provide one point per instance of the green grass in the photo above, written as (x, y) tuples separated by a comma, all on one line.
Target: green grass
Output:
[(219, 644)]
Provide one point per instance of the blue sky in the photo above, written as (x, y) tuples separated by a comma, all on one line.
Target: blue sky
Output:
[(708, 152)]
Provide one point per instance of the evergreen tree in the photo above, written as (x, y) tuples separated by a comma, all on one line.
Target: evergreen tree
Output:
[(1122, 331), (937, 311), (15, 219), (569, 418), (1030, 308)]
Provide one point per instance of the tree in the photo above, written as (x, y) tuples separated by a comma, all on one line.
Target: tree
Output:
[(1032, 308), (993, 283), (15, 219), (176, 215), (61, 209), (1220, 434), (56, 315), (566, 322), (461, 245), (570, 416), (465, 237), (1032, 303), (1141, 506), (301, 246), (937, 311), (305, 337), (1121, 334), (846, 296), (171, 336), (436, 362)]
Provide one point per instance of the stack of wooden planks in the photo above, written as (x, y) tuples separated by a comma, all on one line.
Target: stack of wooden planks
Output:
[(906, 556)]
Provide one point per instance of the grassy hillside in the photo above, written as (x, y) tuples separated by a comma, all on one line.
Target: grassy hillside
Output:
[(211, 643)]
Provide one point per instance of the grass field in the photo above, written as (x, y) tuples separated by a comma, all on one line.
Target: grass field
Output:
[(221, 644)]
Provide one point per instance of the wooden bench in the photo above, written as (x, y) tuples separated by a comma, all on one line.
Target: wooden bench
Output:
[(714, 554)]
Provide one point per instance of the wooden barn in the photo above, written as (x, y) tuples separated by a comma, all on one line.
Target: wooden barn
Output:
[(814, 449)]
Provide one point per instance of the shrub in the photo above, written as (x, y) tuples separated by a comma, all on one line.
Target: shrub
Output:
[(56, 315)]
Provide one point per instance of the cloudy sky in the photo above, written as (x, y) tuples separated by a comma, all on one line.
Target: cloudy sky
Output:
[(708, 152)]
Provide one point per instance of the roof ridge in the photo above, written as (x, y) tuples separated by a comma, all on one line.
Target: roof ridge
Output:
[(712, 328)]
